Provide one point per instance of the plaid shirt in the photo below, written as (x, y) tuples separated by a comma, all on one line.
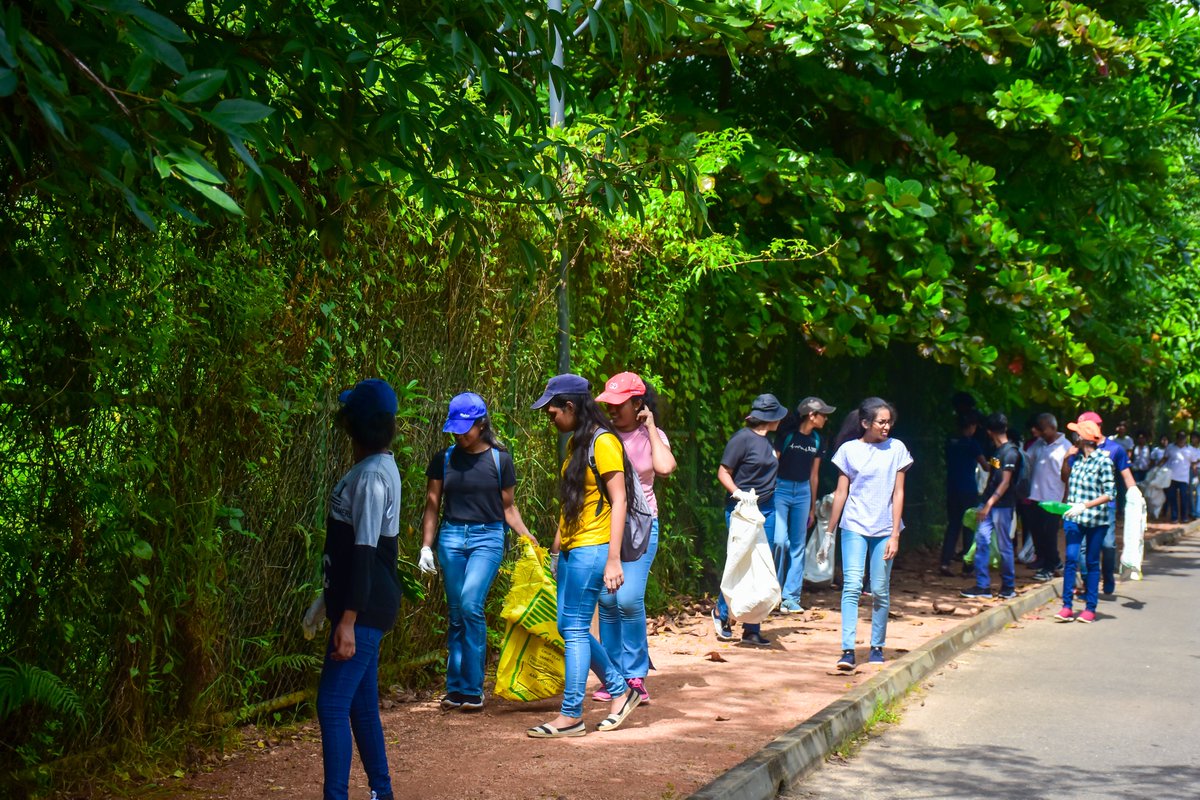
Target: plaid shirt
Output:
[(1090, 478)]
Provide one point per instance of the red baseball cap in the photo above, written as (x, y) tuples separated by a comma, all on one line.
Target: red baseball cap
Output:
[(1090, 416), (621, 387)]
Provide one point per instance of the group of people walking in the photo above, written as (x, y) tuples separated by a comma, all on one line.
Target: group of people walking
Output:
[(606, 490), (1079, 481), (606, 480), (779, 468)]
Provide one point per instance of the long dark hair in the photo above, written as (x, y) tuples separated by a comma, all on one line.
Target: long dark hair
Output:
[(649, 399), (488, 434), (867, 411), (591, 423)]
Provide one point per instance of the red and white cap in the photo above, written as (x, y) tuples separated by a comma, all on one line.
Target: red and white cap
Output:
[(621, 387)]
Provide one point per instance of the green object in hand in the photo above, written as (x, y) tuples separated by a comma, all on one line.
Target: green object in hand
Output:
[(970, 519), (1055, 507)]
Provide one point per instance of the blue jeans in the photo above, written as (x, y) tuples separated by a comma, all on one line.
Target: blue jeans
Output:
[(1092, 537), (348, 699), (792, 502), (998, 523), (623, 615), (580, 582), (769, 530), (470, 556), (856, 550), (1108, 555)]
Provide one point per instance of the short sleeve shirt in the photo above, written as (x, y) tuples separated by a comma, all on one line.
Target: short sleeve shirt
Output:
[(1007, 458), (872, 468), (1179, 461), (797, 452), (595, 519), (962, 456), (1046, 483), (637, 448), (750, 459), (471, 490)]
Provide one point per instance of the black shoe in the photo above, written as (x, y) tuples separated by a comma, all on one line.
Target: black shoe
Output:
[(721, 627), (944, 569), (471, 702), (756, 639), (1008, 594), (452, 701), (1043, 575), (976, 593), (968, 569)]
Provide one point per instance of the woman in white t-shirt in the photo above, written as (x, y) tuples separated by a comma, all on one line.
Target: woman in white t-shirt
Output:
[(868, 501)]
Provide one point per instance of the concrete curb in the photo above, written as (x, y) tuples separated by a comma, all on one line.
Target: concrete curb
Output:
[(1165, 538), (795, 753), (792, 755)]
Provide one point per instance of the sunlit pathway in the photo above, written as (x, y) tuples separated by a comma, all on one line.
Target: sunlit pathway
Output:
[(1108, 710)]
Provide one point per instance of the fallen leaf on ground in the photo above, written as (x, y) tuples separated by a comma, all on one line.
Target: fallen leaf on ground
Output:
[(713, 655), (722, 719)]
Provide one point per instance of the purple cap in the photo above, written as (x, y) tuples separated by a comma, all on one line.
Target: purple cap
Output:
[(464, 409), (371, 396), (563, 384)]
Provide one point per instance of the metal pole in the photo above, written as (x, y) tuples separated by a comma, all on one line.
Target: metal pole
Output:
[(557, 102)]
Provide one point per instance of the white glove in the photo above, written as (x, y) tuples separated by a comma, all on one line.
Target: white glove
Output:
[(1075, 510), (425, 564), (314, 618), (739, 495), (554, 564), (826, 544)]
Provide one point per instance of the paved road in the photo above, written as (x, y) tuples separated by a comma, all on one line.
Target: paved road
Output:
[(1108, 710)]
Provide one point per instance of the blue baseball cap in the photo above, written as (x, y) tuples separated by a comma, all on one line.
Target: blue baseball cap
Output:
[(563, 384), (464, 409), (370, 396)]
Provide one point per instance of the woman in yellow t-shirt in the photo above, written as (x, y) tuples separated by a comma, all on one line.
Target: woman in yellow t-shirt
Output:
[(586, 554)]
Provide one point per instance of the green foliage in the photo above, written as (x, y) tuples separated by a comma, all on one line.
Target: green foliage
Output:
[(24, 685), (217, 217)]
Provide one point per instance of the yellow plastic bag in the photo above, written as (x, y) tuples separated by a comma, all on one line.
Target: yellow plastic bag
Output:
[(531, 655)]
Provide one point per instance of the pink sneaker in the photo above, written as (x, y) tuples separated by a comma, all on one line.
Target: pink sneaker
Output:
[(639, 686), (1065, 615), (1087, 616), (601, 696)]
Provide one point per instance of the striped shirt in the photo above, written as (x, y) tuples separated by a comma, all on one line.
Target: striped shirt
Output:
[(1090, 478)]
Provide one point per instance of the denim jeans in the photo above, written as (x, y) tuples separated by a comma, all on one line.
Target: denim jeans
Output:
[(1108, 555), (957, 539), (769, 530), (470, 555), (793, 499), (623, 615), (580, 582), (348, 699), (997, 523), (856, 551), (1092, 537)]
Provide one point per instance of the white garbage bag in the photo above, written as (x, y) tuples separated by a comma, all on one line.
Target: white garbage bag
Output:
[(749, 583), (814, 572), (981, 478), (1154, 490), (1133, 547)]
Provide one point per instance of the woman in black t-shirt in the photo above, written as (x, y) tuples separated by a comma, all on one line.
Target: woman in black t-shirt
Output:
[(472, 482)]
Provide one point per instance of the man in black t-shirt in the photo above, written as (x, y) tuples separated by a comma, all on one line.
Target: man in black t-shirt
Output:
[(996, 514)]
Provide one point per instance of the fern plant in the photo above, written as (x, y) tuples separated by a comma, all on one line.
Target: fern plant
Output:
[(22, 684)]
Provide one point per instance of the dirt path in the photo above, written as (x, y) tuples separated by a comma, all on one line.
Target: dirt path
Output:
[(705, 716)]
